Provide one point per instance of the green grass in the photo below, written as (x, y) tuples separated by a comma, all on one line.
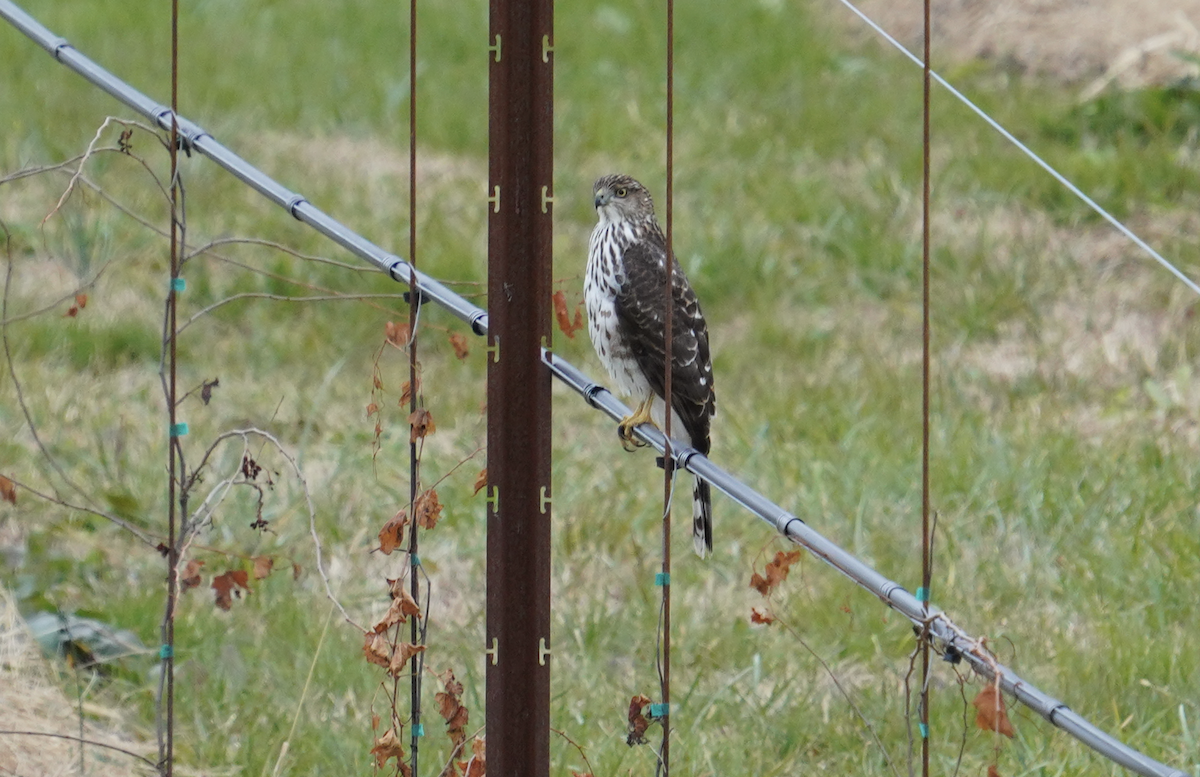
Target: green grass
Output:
[(1064, 430)]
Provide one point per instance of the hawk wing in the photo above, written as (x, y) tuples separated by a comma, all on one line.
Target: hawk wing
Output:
[(642, 322)]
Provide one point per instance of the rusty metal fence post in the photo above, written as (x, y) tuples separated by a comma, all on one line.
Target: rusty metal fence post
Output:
[(520, 182)]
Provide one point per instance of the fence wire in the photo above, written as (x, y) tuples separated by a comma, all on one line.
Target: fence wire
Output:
[(951, 642)]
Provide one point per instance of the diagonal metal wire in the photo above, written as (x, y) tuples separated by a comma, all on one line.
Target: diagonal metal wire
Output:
[(1027, 151), (951, 642)]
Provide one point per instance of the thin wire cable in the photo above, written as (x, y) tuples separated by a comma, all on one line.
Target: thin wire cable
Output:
[(926, 556), (1124, 230), (952, 643)]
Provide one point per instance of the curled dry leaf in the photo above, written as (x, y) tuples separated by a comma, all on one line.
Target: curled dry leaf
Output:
[(376, 649), (459, 341), (391, 536), (400, 595), (563, 316), (638, 723), (8, 490), (480, 481), (190, 577), (387, 746), (397, 333), (761, 617), (372, 409), (262, 566), (229, 585), (402, 606), (297, 570), (428, 509), (206, 389), (993, 771), (449, 701), (401, 656), (991, 713), (776, 572), (420, 422), (406, 392), (477, 766)]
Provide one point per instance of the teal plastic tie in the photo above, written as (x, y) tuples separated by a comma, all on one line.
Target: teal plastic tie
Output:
[(419, 730), (178, 284), (662, 578), (924, 730), (165, 652), (416, 562), (659, 710), (179, 429), (922, 594)]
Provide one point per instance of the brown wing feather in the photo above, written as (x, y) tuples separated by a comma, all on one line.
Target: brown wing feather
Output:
[(641, 319)]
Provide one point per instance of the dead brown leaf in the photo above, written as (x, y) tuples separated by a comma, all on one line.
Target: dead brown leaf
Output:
[(190, 578), (387, 746), (401, 656), (991, 713), (761, 617), (391, 536), (420, 422), (477, 766), (568, 325), (638, 723), (480, 481), (376, 648), (776, 572), (428, 509), (8, 490), (229, 585), (397, 333), (402, 606), (263, 566), (459, 341), (449, 701)]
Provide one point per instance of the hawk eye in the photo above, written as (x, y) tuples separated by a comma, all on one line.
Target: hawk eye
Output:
[(622, 191)]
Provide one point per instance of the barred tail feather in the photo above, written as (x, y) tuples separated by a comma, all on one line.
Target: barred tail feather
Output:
[(702, 521)]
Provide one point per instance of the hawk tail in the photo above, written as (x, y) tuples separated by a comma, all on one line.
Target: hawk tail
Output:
[(702, 521)]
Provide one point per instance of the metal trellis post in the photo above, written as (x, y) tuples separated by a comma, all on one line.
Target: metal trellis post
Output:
[(520, 170)]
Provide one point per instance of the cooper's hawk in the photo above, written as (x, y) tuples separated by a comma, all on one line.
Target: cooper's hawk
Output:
[(624, 291)]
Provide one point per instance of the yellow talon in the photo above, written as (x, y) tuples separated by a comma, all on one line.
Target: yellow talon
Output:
[(630, 422)]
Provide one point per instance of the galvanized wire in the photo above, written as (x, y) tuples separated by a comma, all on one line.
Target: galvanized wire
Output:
[(948, 639), (1027, 151)]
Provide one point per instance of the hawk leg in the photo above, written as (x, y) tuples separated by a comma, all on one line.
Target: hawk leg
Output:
[(630, 422)]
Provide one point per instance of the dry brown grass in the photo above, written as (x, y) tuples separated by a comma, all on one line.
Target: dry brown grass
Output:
[(31, 699)]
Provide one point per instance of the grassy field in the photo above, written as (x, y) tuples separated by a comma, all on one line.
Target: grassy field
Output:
[(1066, 414)]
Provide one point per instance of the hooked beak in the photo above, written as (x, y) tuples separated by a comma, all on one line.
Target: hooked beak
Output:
[(603, 197)]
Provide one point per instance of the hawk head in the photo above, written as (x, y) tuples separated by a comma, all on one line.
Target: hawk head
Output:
[(620, 198)]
